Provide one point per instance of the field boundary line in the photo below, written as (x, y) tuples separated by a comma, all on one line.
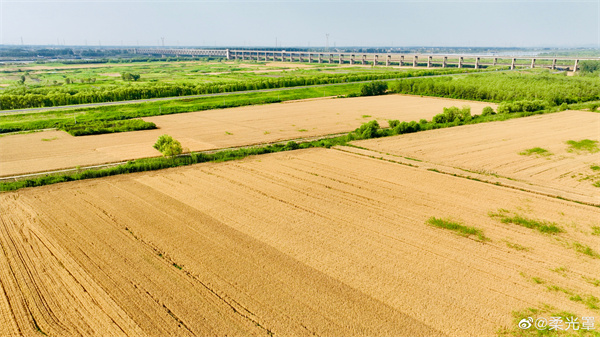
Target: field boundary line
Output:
[(111, 164), (500, 181)]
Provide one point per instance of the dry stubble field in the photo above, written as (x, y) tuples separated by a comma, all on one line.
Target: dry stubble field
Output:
[(493, 150), (214, 129), (309, 242)]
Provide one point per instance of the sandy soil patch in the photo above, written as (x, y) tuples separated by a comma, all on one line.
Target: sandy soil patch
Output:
[(494, 149), (299, 243), (111, 74), (215, 129)]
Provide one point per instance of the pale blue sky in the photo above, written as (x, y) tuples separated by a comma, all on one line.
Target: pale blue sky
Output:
[(302, 23)]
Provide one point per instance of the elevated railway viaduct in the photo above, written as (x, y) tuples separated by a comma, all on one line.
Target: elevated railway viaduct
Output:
[(379, 59)]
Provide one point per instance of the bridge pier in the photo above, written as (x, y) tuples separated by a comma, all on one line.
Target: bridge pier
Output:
[(415, 61), (532, 63), (340, 59), (283, 56), (375, 59), (330, 58), (553, 64), (477, 63), (401, 62), (460, 62), (445, 62), (387, 60), (575, 66), (310, 59), (320, 58), (429, 61), (495, 61), (513, 64), (352, 59), (227, 54)]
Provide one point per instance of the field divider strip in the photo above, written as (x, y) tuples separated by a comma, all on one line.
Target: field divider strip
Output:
[(112, 164), (460, 173)]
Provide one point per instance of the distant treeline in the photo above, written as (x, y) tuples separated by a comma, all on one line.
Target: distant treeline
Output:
[(26, 97), (60, 52), (506, 87)]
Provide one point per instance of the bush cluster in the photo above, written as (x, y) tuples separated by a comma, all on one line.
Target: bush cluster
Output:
[(506, 87), (524, 106), (453, 114), (101, 127), (168, 146), (130, 77), (373, 88)]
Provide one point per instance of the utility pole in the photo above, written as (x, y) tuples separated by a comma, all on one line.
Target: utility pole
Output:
[(327, 42), (163, 41)]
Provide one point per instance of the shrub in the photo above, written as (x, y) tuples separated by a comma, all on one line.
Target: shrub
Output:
[(291, 145), (405, 127), (522, 106), (487, 111), (373, 88), (130, 77), (453, 114), (168, 146), (393, 123), (368, 130)]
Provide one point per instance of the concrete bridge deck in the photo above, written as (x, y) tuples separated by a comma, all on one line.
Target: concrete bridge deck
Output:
[(387, 59)]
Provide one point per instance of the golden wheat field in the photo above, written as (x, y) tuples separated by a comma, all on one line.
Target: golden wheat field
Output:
[(503, 151), (308, 242)]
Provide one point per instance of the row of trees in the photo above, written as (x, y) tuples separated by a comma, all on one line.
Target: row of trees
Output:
[(23, 97), (499, 87), (589, 66)]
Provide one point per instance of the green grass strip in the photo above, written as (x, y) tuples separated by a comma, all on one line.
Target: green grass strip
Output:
[(536, 150), (456, 227), (541, 226)]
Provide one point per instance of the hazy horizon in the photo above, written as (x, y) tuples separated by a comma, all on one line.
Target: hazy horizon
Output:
[(494, 24)]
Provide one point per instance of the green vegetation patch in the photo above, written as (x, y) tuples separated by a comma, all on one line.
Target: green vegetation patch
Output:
[(516, 246), (457, 227), (101, 127), (535, 322), (536, 151), (539, 225), (592, 281), (595, 230), (585, 145), (168, 146), (590, 301), (585, 249)]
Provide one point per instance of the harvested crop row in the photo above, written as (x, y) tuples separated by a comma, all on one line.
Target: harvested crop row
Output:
[(308, 242), (535, 150)]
